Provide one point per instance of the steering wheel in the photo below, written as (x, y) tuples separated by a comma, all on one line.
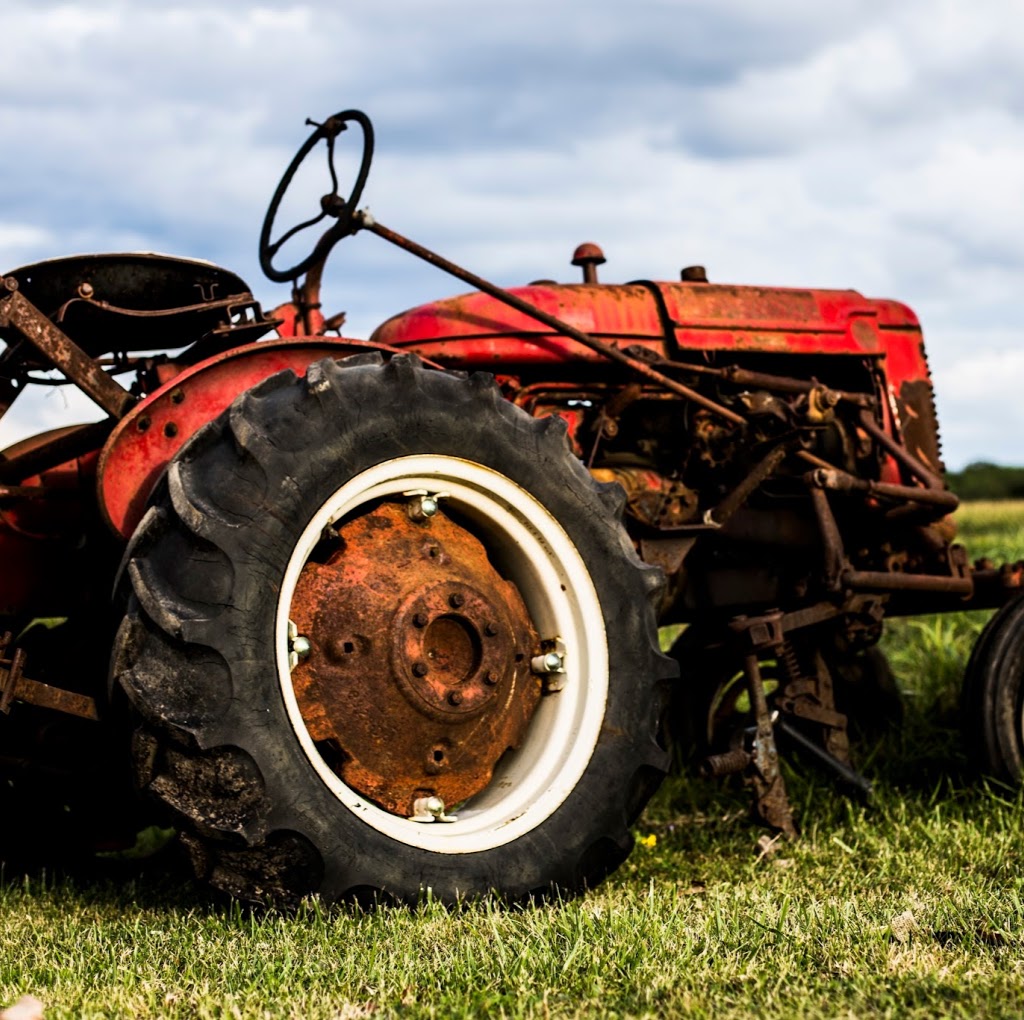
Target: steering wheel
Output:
[(331, 205)]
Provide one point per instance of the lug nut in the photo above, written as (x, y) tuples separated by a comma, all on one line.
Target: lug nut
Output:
[(456, 600), (420, 620), (301, 646), (550, 662), (454, 698), (420, 669), (430, 809), (490, 630), (491, 679), (423, 505)]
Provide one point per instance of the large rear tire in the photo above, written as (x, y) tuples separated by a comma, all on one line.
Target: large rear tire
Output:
[(279, 775)]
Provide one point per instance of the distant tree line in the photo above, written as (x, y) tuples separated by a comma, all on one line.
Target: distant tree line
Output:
[(982, 480)]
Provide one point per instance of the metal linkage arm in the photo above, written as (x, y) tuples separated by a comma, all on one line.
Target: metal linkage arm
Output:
[(17, 312), (365, 221)]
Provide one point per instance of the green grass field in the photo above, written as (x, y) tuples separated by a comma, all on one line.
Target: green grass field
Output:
[(911, 908)]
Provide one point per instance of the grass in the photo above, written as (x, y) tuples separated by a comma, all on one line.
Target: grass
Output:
[(913, 907)]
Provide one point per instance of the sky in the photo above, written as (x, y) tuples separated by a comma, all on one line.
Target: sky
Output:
[(856, 144)]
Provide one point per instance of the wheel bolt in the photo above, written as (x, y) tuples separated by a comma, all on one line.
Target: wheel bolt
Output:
[(420, 620), (490, 630), (301, 646), (455, 698), (552, 662), (420, 669), (423, 505), (456, 600), (491, 679)]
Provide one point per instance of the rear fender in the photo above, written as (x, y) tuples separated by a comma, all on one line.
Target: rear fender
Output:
[(145, 440)]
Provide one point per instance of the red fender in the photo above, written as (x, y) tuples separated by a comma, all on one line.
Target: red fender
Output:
[(144, 441)]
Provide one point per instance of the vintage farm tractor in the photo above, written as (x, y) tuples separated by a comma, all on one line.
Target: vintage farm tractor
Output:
[(369, 616)]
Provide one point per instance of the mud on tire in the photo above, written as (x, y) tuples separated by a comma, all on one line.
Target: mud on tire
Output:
[(203, 651)]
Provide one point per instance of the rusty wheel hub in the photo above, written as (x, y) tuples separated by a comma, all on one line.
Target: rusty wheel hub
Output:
[(418, 675)]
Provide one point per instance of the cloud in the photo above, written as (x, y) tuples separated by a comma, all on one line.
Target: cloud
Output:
[(848, 144)]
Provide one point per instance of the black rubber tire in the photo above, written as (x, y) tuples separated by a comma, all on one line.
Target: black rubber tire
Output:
[(195, 653), (993, 696)]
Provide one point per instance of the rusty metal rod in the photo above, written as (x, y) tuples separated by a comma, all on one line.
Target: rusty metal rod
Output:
[(61, 351), (9, 492), (899, 451), (841, 481), (850, 776), (717, 765), (880, 580), (834, 554), (762, 380), (734, 500), (366, 222)]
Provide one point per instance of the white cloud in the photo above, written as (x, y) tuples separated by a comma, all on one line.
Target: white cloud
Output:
[(849, 144)]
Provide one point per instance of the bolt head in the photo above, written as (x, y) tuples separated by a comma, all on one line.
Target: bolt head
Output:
[(549, 662), (420, 669), (454, 698), (434, 806), (491, 679), (301, 646), (456, 600), (428, 506), (420, 620), (490, 630)]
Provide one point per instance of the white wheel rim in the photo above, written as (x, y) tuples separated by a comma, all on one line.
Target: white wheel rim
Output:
[(530, 784)]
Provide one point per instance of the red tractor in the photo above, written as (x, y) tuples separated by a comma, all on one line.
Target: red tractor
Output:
[(365, 617)]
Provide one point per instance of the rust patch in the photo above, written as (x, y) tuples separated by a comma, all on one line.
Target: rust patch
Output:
[(418, 677)]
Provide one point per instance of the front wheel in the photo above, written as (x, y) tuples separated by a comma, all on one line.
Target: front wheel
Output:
[(993, 696), (387, 634)]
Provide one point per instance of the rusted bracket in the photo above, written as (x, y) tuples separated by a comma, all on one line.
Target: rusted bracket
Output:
[(14, 686), (771, 800), (812, 697), (17, 312)]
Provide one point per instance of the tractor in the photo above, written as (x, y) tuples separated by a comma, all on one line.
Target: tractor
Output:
[(361, 618)]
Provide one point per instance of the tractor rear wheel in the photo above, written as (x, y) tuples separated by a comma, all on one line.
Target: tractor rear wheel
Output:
[(386, 634)]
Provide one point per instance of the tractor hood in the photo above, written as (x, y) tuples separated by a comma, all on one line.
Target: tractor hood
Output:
[(664, 317)]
